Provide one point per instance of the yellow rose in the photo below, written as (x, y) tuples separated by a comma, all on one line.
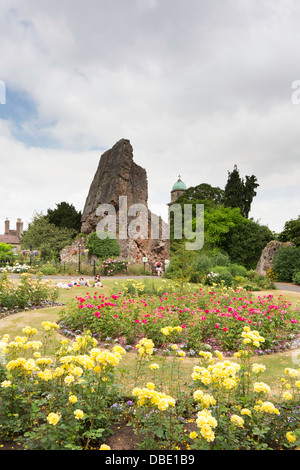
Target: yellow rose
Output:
[(53, 418), (72, 399), (104, 447), (78, 414)]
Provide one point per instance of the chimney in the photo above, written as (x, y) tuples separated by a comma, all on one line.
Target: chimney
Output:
[(6, 232), (19, 228)]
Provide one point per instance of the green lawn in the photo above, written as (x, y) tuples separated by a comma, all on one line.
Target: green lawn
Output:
[(13, 324)]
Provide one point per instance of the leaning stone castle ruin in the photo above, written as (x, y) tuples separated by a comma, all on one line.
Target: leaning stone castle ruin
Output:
[(116, 177)]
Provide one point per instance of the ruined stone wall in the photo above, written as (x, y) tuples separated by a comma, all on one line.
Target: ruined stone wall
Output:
[(266, 260), (118, 175)]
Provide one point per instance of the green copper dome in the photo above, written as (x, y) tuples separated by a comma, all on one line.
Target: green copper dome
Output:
[(179, 185)]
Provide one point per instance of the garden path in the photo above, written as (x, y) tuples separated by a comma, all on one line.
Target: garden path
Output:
[(287, 286)]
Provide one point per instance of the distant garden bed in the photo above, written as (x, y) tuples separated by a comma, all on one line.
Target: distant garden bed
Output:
[(199, 317), (24, 294)]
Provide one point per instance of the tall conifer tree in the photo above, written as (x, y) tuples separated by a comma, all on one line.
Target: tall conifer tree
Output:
[(240, 193)]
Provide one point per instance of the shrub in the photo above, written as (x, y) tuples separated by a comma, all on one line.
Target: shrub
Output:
[(296, 278), (221, 259), (220, 275), (245, 242), (111, 267), (48, 269), (16, 268), (204, 264), (73, 399), (59, 403), (287, 263), (103, 248), (226, 278), (27, 293), (237, 270)]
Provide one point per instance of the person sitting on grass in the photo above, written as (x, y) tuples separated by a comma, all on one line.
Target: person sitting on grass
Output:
[(64, 286), (82, 282), (98, 282)]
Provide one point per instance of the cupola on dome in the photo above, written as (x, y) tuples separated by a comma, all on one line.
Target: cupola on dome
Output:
[(179, 185)]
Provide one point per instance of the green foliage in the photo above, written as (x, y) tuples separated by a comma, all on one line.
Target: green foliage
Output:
[(6, 252), (26, 293), (112, 267), (286, 263), (211, 267), (245, 241), (73, 397), (46, 237), (296, 278), (202, 192), (65, 215), (240, 193), (217, 219), (291, 232), (48, 269), (139, 309), (224, 277), (218, 222), (49, 411), (103, 247), (225, 228)]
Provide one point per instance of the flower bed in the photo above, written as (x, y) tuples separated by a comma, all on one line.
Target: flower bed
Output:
[(24, 294), (72, 399), (112, 266), (213, 319), (16, 268)]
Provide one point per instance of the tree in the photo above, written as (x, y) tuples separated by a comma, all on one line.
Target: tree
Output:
[(245, 241), (46, 237), (218, 222), (65, 215), (240, 193), (291, 232), (202, 192)]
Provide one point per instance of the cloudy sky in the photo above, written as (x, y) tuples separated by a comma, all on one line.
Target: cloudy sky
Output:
[(197, 86)]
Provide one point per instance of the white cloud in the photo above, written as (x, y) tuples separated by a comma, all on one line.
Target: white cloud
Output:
[(196, 86)]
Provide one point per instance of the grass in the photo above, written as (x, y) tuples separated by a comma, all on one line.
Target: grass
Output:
[(275, 363)]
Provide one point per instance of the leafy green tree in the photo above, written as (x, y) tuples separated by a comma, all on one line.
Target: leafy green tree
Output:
[(6, 251), (202, 192), (103, 247), (218, 222), (249, 193), (240, 193), (291, 232), (217, 219), (65, 215), (245, 241), (46, 237)]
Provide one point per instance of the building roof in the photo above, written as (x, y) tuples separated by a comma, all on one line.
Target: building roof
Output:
[(179, 185), (10, 239)]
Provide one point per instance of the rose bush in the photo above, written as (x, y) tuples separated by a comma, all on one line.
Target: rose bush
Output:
[(25, 293), (70, 400)]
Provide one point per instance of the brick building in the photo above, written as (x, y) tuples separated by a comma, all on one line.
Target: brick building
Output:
[(12, 237)]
